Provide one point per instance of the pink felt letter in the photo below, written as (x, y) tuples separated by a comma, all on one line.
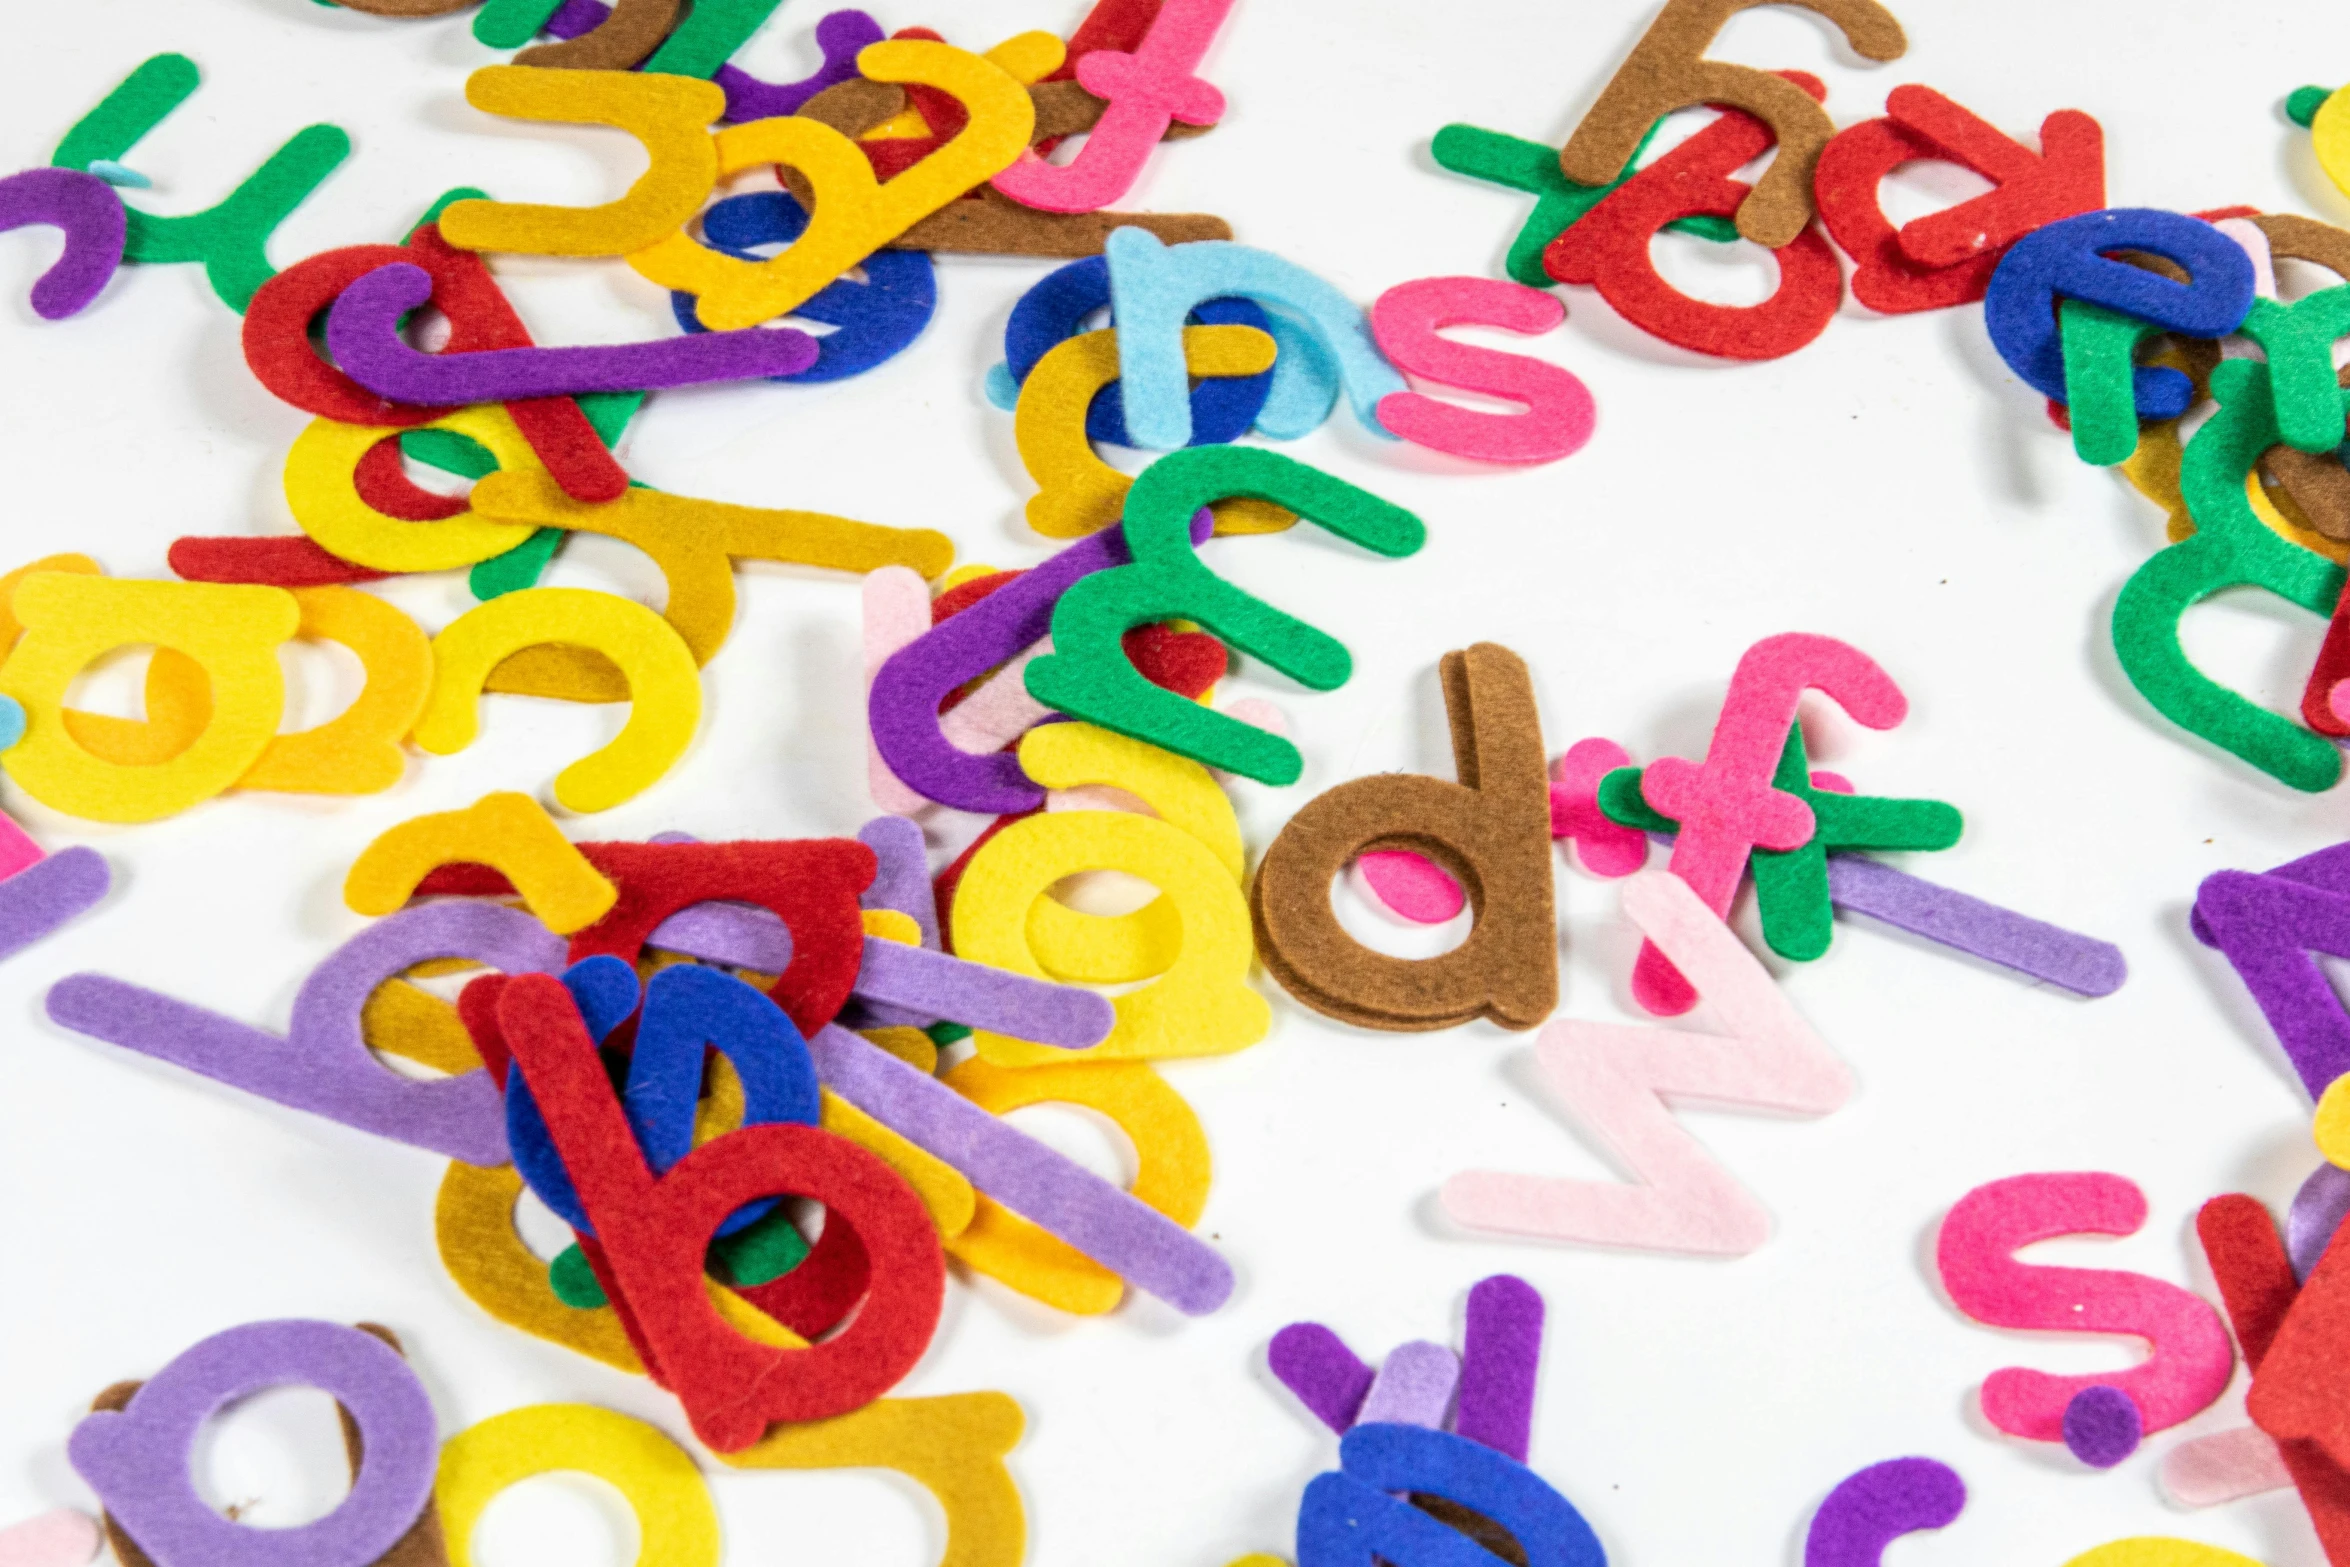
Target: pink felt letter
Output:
[(1726, 806), (1615, 1078), (2192, 1357), (1559, 412), (1147, 90), (1606, 848)]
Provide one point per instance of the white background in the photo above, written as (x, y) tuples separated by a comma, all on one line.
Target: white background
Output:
[(1891, 485)]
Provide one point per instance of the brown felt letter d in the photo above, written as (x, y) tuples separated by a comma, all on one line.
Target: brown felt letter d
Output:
[(1491, 831)]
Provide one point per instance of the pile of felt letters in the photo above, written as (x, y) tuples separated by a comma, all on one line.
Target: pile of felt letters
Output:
[(763, 1082)]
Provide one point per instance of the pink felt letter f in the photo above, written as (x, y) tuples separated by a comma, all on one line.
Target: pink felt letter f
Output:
[(1147, 90), (1726, 805)]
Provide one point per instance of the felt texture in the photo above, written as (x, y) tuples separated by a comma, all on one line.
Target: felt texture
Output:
[(2269, 927), (894, 605), (279, 351), (2080, 964), (653, 1231), (229, 239), (1148, 88), (1490, 831), (359, 750), (290, 561), (363, 332), (627, 33), (2255, 1278), (1055, 309), (321, 491), (1947, 258), (695, 542), (1088, 676), (668, 115), (1873, 1507), (1559, 202), (1123, 1234), (1613, 1078), (1350, 1518), (61, 1537), (1201, 1004), (953, 1447), (1610, 247), (2067, 259), (901, 879), (855, 214), (1603, 847), (405, 1020), (2317, 1212), (875, 319), (1792, 887), (70, 619), (1172, 1174), (1410, 886), (1077, 492), (137, 1458), (1414, 1386), (1559, 412), (473, 1227), (2223, 1466), (1153, 287), (1667, 70), (2065, 178), (85, 209), (1729, 805), (676, 1522), (991, 1000), (41, 898), (1120, 949), (509, 832), (664, 686), (1315, 1364), (906, 692), (840, 36), (1500, 1353), (811, 886), (323, 1065), (2230, 548), (2299, 339), (2102, 1426), (2191, 1359)]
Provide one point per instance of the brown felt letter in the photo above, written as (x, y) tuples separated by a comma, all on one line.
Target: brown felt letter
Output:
[(1491, 831)]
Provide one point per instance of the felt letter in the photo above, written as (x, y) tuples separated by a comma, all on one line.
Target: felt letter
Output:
[(669, 115), (2229, 548), (1871, 1509), (1614, 1078), (1088, 675), (1491, 831), (506, 831), (676, 1524), (1200, 1005), (1353, 1517), (1148, 90), (1154, 286), (1172, 1173), (90, 215), (855, 215), (70, 619), (1667, 70), (137, 1458), (2192, 1359), (1559, 412), (653, 1231), (664, 687), (231, 237), (1728, 806), (323, 1065)]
